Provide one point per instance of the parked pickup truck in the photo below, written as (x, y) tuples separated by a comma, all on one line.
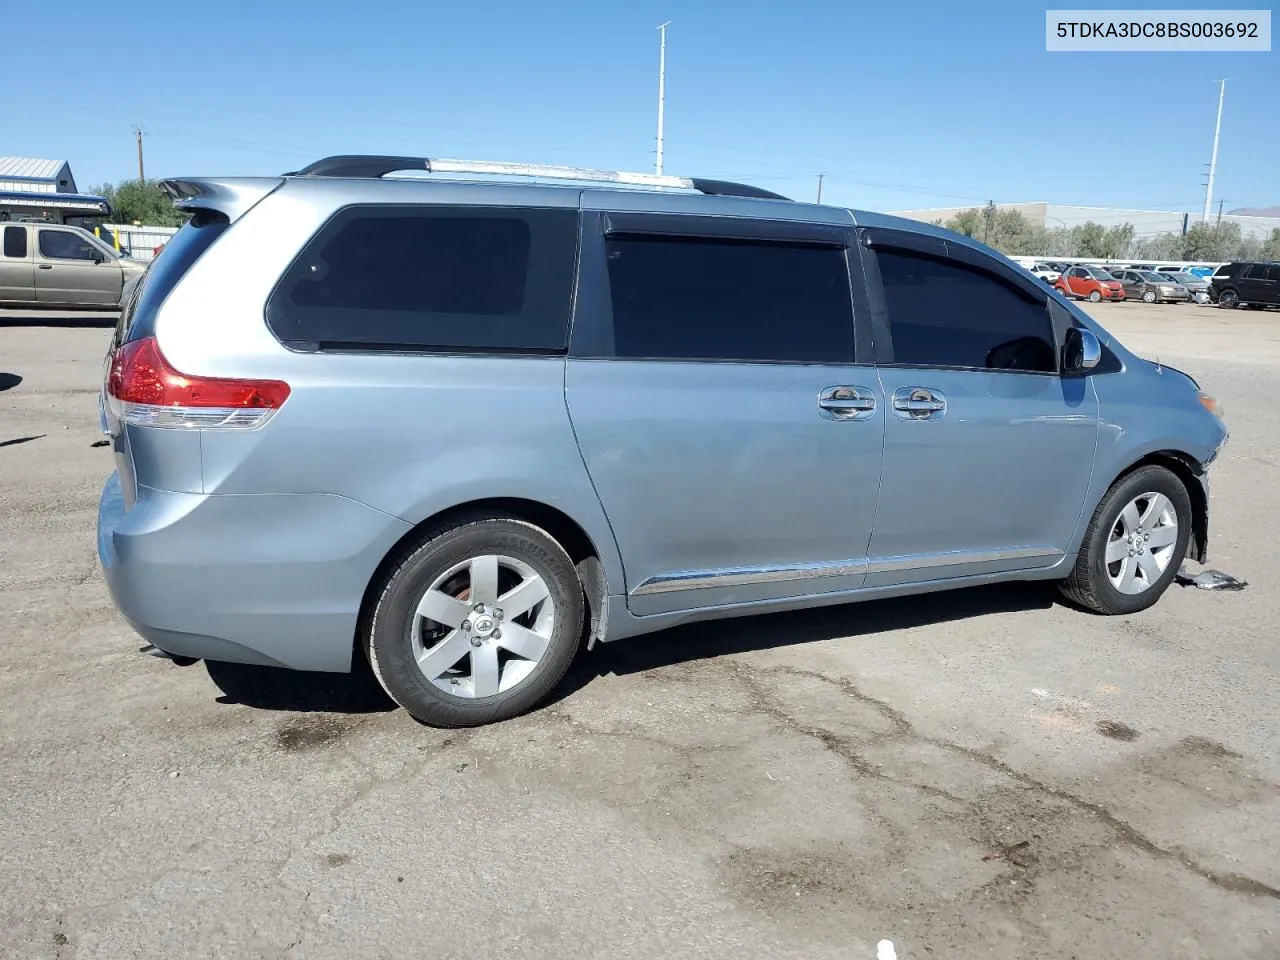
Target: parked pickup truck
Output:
[(54, 265)]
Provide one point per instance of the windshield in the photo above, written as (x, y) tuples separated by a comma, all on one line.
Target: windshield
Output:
[(1100, 274), (1152, 277)]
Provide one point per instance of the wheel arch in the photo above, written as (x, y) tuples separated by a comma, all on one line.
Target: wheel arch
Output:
[(564, 529), (1192, 475)]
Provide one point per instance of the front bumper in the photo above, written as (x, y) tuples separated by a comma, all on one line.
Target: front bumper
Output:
[(271, 579)]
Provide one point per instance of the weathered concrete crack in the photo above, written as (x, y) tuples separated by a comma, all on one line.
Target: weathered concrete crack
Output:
[(903, 729)]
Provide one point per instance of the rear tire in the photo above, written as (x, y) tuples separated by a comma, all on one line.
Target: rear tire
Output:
[(480, 578), (1134, 545)]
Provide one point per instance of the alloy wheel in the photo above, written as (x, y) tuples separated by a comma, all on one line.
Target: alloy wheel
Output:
[(482, 626), (1141, 543)]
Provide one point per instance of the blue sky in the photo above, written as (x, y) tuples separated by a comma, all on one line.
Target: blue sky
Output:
[(902, 105)]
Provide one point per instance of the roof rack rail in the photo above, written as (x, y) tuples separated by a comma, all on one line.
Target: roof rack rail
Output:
[(379, 166)]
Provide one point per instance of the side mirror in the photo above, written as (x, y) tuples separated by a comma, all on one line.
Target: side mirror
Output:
[(1082, 351)]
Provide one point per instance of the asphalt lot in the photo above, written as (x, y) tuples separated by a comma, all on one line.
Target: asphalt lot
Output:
[(802, 785)]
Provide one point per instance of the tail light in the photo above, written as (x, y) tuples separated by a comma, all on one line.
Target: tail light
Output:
[(144, 390)]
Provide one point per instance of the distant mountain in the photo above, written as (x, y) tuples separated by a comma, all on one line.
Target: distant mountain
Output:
[(1256, 211)]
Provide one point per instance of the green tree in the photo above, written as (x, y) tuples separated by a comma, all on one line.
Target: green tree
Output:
[(1208, 241), (1162, 246), (1006, 230), (142, 202), (1271, 248)]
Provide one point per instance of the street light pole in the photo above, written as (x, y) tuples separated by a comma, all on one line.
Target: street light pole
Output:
[(662, 87), (1213, 160)]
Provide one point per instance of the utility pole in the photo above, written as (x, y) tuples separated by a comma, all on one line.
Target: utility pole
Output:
[(820, 176), (1219, 223), (988, 216), (137, 132), (1213, 159), (662, 87)]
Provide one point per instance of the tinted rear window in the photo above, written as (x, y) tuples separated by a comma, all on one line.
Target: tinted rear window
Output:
[(492, 278), (15, 241), (184, 249)]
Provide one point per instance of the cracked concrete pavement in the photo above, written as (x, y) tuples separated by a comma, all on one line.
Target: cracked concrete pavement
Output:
[(980, 773)]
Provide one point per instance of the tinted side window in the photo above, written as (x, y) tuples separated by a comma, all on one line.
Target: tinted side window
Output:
[(65, 245), (944, 313), (15, 241), (1255, 271), (697, 298), (432, 278)]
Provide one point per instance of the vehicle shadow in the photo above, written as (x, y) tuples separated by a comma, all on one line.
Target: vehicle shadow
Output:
[(272, 688), (8, 381), (718, 638)]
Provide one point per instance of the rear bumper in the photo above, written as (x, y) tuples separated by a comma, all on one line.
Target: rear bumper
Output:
[(268, 579)]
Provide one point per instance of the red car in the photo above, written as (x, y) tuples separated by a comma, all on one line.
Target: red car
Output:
[(1092, 282)]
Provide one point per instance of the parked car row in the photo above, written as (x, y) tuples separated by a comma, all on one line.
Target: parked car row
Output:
[(1149, 283)]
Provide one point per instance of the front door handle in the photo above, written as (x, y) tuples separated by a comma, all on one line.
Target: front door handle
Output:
[(919, 403), (45, 266), (847, 403)]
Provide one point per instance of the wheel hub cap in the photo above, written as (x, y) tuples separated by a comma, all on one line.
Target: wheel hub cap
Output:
[(1142, 543), (482, 626)]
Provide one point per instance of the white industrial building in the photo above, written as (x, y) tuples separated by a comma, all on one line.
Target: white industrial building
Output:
[(1146, 223)]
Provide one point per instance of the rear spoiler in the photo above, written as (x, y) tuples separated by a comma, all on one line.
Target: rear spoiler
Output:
[(230, 196)]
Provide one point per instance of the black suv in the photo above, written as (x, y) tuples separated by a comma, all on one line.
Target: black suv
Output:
[(1244, 284)]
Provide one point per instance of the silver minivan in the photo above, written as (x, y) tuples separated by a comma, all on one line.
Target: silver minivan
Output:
[(466, 427), (61, 266)]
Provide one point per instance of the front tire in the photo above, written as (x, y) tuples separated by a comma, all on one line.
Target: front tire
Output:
[(476, 624), (1148, 297), (1228, 300), (1134, 545), (1094, 296)]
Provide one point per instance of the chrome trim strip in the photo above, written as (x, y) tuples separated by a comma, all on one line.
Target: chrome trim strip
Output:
[(746, 576), (923, 561)]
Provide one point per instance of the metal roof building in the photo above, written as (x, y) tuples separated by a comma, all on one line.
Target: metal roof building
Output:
[(35, 189), (31, 175)]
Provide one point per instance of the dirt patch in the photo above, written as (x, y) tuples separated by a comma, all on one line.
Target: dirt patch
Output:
[(309, 732), (1203, 747), (1117, 730), (332, 860)]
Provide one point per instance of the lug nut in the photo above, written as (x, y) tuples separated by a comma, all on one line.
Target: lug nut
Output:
[(466, 624), (497, 634), (478, 608), (497, 614), (476, 641)]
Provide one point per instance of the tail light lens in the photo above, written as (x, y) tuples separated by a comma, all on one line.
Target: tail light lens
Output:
[(143, 389)]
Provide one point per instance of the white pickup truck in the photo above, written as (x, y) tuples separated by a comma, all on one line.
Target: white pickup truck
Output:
[(59, 266)]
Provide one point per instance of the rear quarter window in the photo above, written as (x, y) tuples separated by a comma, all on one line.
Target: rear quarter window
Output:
[(137, 319), (432, 278)]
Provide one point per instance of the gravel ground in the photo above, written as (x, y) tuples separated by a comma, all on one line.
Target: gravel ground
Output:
[(983, 773)]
